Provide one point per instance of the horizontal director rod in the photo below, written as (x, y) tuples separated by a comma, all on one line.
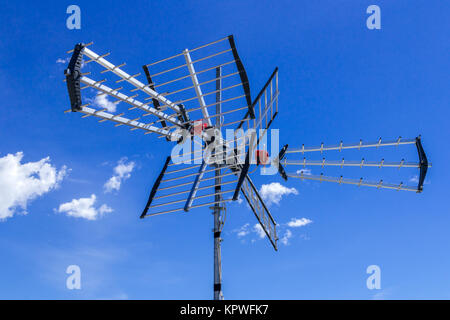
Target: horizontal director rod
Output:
[(188, 183), (125, 121), (164, 107), (224, 101), (187, 191), (207, 106), (135, 103), (182, 209), (195, 174), (197, 197), (213, 116), (122, 74), (191, 50), (184, 169), (359, 182), (200, 84), (187, 63), (359, 145), (198, 72), (344, 163)]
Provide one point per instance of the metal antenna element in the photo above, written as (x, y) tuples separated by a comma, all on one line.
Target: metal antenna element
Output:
[(191, 99), (422, 165), (219, 219)]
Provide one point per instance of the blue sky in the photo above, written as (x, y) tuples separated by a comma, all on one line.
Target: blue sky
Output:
[(338, 81)]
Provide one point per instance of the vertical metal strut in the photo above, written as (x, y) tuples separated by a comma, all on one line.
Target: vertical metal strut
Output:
[(218, 222)]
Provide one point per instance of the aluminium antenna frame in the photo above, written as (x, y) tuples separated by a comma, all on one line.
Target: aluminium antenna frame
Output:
[(175, 111)]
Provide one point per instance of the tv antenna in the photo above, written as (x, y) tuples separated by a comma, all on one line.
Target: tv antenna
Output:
[(191, 99)]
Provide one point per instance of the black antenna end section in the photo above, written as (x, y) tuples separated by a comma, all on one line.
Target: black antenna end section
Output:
[(184, 117), (283, 152), (282, 172), (423, 164), (155, 102), (242, 176), (73, 75), (281, 155), (155, 187), (243, 76)]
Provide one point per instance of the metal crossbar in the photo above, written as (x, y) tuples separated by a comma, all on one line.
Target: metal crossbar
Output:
[(359, 145), (130, 79), (360, 182), (346, 163)]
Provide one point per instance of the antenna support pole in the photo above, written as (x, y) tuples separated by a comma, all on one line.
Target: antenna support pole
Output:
[(219, 206)]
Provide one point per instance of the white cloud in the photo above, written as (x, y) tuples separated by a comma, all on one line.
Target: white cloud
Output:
[(295, 223), (121, 172), (415, 179), (21, 183), (306, 172), (104, 209), (59, 60), (274, 191), (285, 239), (242, 231), (259, 231), (245, 230), (84, 208), (101, 100)]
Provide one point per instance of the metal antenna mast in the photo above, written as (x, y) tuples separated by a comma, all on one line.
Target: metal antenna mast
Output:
[(176, 103), (218, 207)]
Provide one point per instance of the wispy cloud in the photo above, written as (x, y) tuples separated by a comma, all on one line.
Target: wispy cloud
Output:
[(121, 173), (242, 231), (306, 172), (415, 179), (21, 183), (257, 232), (84, 208), (273, 192), (246, 230), (295, 223), (285, 239), (59, 60), (102, 101)]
